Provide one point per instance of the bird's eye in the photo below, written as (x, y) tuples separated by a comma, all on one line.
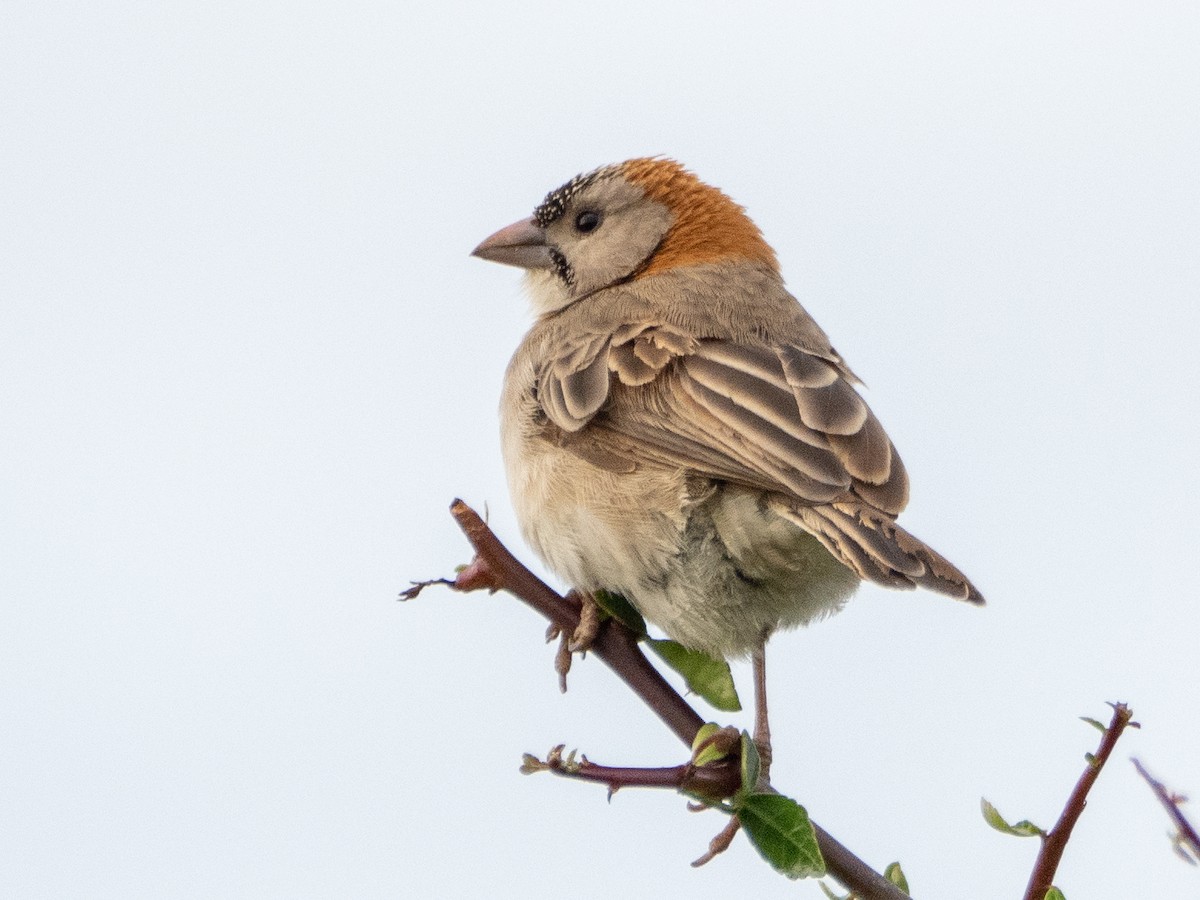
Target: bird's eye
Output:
[(587, 221)]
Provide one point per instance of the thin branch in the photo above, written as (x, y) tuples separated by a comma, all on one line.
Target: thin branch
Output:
[(714, 780), (495, 567), (615, 645), (720, 843), (1055, 841), (1187, 841)]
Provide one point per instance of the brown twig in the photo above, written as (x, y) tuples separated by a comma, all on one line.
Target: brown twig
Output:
[(720, 843), (1054, 842), (1187, 841), (714, 781), (615, 645), (618, 649)]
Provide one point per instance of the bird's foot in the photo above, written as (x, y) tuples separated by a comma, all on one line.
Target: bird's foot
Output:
[(562, 656), (580, 640), (763, 745), (762, 720), (589, 623)]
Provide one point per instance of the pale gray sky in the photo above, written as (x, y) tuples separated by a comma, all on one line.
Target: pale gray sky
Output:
[(246, 363)]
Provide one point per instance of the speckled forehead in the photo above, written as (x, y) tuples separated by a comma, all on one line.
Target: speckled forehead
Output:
[(556, 202)]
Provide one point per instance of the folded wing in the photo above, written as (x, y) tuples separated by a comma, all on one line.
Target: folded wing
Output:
[(774, 418)]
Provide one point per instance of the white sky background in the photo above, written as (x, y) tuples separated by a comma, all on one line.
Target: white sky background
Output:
[(246, 363)]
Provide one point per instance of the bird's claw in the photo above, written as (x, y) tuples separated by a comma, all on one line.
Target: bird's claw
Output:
[(579, 641), (562, 661), (589, 624)]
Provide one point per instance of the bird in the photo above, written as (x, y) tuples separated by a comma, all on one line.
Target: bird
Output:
[(677, 429)]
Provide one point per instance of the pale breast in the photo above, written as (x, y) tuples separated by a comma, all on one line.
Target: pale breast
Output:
[(594, 528)]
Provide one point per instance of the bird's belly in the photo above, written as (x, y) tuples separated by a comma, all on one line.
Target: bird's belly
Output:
[(596, 529), (713, 568)]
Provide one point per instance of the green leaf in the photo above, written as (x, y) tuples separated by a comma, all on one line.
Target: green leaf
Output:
[(707, 730), (779, 829), (992, 816), (621, 610), (831, 895), (1095, 723), (1055, 894), (751, 766), (708, 677), (895, 875), (716, 749)]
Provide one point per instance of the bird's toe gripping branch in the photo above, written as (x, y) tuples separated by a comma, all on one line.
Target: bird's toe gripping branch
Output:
[(580, 639)]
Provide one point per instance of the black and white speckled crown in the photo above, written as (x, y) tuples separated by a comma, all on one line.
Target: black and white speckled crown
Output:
[(557, 200)]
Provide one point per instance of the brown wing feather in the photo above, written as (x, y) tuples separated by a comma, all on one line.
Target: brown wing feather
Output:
[(878, 549), (781, 420)]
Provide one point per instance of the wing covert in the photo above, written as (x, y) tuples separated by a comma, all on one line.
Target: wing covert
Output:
[(780, 419)]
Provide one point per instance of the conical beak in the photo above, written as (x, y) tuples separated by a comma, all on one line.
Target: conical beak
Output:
[(520, 244)]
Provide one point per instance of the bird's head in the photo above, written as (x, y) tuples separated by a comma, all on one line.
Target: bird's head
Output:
[(622, 222)]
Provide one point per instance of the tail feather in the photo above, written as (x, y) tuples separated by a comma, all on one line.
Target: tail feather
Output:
[(878, 550)]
